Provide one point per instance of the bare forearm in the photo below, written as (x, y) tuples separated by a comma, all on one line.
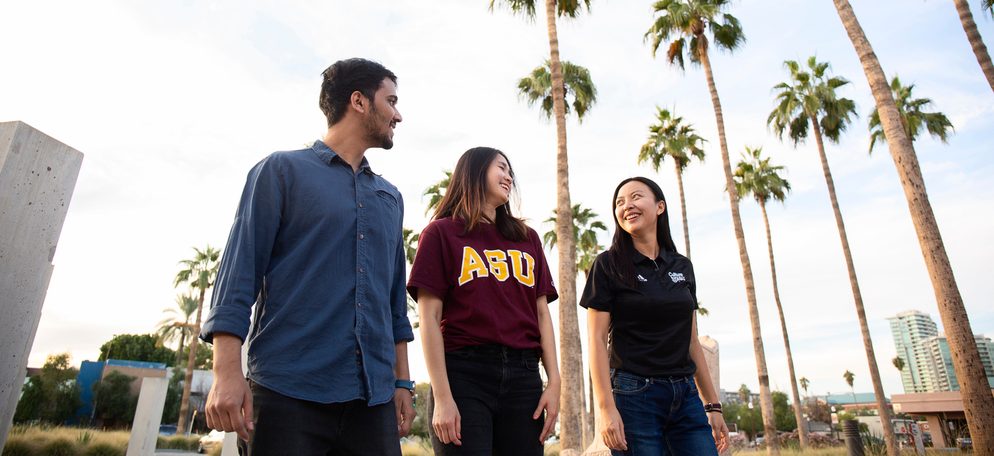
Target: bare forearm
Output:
[(227, 355), (548, 335), (597, 324), (401, 367), (434, 350)]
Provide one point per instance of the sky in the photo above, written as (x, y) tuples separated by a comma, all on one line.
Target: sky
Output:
[(173, 102)]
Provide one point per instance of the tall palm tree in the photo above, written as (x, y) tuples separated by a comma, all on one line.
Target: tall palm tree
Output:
[(974, 388), (757, 177), (850, 377), (689, 23), (435, 193), (537, 88), (913, 116), (585, 226), (808, 100), (199, 273), (670, 137), (804, 384), (571, 364), (973, 36), (177, 325)]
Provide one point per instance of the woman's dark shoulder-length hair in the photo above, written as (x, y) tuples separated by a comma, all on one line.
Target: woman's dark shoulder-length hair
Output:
[(620, 255), (466, 196)]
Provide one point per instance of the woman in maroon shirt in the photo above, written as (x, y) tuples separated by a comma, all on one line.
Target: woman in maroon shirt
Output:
[(483, 287)]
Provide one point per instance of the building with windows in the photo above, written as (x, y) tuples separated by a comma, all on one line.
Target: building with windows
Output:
[(910, 329)]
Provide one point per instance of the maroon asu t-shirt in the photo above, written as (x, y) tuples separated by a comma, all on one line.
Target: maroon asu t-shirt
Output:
[(487, 283)]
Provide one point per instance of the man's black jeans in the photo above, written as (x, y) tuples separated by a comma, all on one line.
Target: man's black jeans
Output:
[(496, 389), (284, 425)]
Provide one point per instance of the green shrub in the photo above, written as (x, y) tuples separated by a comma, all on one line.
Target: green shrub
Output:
[(103, 449), (18, 446), (60, 447), (178, 442)]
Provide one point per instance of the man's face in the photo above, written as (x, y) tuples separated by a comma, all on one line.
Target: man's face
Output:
[(383, 115)]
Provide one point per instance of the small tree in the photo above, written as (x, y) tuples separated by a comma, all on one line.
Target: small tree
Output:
[(783, 413), (115, 405), (52, 396)]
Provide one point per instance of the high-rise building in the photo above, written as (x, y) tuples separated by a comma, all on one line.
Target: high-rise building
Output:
[(940, 374), (910, 329)]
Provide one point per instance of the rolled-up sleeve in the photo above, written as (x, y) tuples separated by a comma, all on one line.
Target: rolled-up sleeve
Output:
[(402, 331), (246, 256)]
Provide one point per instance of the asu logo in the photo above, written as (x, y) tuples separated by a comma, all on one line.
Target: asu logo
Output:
[(495, 262)]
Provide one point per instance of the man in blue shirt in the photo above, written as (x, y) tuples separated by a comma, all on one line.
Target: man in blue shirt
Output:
[(316, 246)]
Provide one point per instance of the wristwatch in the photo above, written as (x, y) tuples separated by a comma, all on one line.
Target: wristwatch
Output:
[(406, 384)]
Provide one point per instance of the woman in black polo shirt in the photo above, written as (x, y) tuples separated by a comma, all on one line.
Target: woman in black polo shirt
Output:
[(641, 298)]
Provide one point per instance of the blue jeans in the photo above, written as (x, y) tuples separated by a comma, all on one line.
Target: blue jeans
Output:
[(662, 416), (496, 390)]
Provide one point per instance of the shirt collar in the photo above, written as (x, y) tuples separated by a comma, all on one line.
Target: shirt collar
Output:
[(328, 156), (638, 258)]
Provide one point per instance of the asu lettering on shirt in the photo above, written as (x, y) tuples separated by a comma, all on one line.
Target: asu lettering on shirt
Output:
[(494, 262)]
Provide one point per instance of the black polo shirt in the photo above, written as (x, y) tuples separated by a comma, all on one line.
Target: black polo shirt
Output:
[(650, 324)]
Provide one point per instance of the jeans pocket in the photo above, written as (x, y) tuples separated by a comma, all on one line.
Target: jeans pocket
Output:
[(628, 384), (530, 363)]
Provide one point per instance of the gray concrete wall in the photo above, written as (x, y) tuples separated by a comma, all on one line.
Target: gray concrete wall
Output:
[(37, 178), (148, 416)]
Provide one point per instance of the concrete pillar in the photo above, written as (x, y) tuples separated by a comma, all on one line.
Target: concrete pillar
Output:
[(37, 178), (936, 426), (148, 416)]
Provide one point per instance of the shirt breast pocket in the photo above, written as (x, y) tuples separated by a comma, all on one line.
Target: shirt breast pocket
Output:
[(385, 218)]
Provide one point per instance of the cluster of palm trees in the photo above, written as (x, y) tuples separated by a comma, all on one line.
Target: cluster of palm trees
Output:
[(197, 274), (806, 102)]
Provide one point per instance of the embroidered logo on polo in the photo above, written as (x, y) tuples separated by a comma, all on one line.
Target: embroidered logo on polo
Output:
[(676, 277), (641, 279), (522, 265)]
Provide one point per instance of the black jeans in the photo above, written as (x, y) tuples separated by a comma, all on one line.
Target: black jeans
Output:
[(496, 389), (284, 425)]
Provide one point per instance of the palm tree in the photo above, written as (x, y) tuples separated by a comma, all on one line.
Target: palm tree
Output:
[(989, 6), (199, 273), (536, 88), (410, 244), (972, 379), (757, 177), (804, 384), (688, 23), (585, 224), (849, 376), (808, 99), (973, 36), (898, 363), (177, 325), (913, 116), (571, 364), (435, 193), (671, 138)]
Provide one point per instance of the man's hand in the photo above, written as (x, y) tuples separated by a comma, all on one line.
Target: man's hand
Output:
[(403, 401), (229, 406), (719, 431)]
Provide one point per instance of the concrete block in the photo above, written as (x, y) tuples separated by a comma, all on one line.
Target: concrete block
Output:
[(37, 179), (148, 417)]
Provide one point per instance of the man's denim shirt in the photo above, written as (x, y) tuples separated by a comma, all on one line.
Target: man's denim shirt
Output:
[(317, 248)]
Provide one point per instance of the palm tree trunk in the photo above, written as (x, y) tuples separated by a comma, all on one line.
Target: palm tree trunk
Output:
[(683, 208), (802, 428), (977, 43), (191, 358), (878, 389), (765, 399), (182, 342), (571, 365), (978, 403)]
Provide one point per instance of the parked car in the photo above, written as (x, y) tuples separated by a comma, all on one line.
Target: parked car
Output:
[(213, 439)]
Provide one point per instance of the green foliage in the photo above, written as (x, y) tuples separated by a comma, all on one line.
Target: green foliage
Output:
[(755, 176), (115, 405), (178, 442), (103, 449), (174, 393), (783, 413), (177, 325), (687, 23), (536, 88), (670, 137), (205, 356), (435, 193), (60, 447), (809, 96), (585, 224), (749, 420), (421, 422), (137, 347), (18, 446), (52, 396), (913, 116)]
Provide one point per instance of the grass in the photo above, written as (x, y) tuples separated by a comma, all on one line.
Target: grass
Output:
[(47, 440)]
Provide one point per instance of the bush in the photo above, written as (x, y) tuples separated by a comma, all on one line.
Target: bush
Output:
[(103, 449), (60, 447), (18, 446), (178, 442)]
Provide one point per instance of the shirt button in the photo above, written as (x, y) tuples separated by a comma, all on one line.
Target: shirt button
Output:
[(361, 270), (362, 236), (360, 205)]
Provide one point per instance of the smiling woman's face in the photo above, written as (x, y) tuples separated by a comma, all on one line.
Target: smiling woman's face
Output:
[(499, 181), (636, 209)]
